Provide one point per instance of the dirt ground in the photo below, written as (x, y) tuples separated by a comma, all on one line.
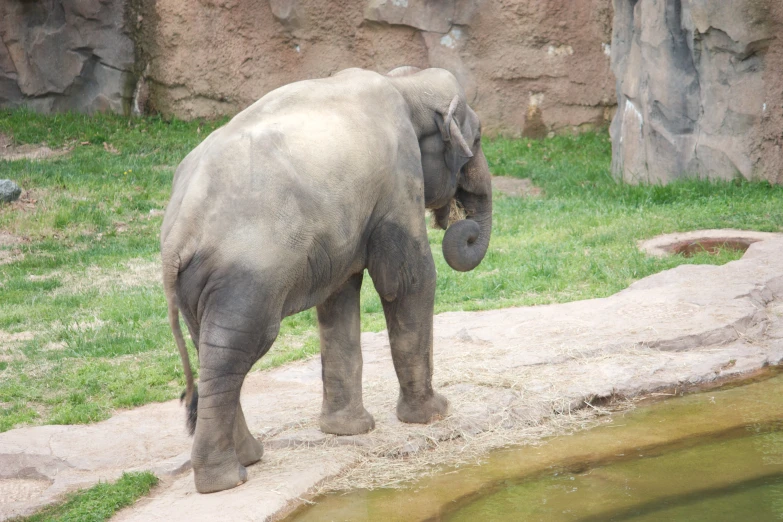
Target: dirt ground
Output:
[(513, 376), (9, 247), (11, 152), (514, 186)]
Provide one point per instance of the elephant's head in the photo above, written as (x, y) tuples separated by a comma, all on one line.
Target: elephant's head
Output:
[(452, 160)]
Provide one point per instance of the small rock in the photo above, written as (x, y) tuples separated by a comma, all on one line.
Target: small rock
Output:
[(410, 448), (9, 191), (464, 336)]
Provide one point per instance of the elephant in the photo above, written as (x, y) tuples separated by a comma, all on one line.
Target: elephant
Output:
[(284, 208)]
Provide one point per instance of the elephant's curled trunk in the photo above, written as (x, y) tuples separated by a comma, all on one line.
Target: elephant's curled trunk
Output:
[(465, 242)]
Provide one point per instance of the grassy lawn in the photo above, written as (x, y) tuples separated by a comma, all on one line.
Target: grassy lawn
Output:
[(97, 503), (83, 328)]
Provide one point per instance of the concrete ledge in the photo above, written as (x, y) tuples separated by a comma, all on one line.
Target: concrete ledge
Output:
[(512, 375)]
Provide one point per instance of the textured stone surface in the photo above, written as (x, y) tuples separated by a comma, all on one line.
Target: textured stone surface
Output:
[(60, 55), (699, 87), (699, 82), (524, 64), (501, 369), (9, 191), (529, 67)]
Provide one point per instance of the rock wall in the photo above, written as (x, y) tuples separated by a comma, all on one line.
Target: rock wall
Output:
[(699, 88), (59, 55), (768, 136), (530, 66)]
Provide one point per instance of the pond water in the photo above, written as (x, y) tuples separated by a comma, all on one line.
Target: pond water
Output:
[(711, 456)]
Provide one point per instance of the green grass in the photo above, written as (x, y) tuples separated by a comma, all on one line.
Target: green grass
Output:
[(83, 328), (99, 502)]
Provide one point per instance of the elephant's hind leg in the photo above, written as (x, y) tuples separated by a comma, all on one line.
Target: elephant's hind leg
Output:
[(342, 412), (233, 336)]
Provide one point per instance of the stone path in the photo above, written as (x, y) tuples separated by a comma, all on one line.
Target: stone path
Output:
[(502, 370)]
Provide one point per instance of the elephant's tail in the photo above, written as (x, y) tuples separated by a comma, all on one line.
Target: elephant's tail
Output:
[(171, 266), (190, 395)]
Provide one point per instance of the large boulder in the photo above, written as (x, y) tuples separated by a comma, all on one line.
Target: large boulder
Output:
[(699, 86), (9, 191), (60, 55)]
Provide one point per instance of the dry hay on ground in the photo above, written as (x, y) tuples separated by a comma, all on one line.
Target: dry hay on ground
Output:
[(389, 465), (385, 459)]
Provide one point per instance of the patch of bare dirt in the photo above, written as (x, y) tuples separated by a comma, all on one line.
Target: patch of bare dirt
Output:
[(517, 187), (7, 239), (6, 337), (9, 248), (133, 273), (28, 201), (80, 325), (44, 277), (711, 241), (9, 342), (11, 152)]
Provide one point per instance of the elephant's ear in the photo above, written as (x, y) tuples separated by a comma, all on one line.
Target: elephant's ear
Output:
[(458, 153)]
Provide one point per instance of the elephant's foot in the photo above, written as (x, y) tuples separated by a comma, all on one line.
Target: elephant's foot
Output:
[(418, 411), (249, 450), (218, 472), (347, 422)]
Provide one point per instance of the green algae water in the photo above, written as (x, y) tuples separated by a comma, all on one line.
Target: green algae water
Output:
[(733, 480), (711, 456)]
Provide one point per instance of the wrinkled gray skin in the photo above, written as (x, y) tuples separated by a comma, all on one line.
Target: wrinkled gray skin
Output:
[(283, 208)]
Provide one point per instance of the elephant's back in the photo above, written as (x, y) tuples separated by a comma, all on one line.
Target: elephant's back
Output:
[(351, 121), (298, 174), (320, 146), (347, 91)]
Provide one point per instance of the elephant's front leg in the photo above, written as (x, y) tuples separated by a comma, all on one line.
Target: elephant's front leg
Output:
[(342, 412), (409, 320)]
